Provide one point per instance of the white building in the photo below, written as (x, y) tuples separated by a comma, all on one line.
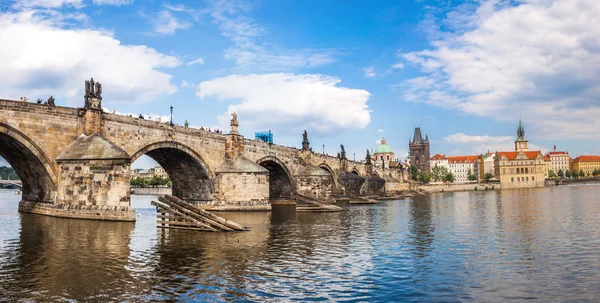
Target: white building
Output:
[(558, 160), (459, 166)]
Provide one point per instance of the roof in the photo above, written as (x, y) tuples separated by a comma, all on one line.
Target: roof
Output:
[(383, 148), (592, 158), (546, 158), (531, 155), (463, 159), (438, 157), (93, 147), (552, 153)]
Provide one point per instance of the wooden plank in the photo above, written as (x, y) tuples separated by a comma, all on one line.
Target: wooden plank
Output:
[(212, 217), (175, 223), (184, 228), (192, 212), (177, 212)]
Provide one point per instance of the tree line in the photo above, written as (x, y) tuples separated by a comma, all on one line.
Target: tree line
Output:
[(151, 182), (8, 173), (572, 175)]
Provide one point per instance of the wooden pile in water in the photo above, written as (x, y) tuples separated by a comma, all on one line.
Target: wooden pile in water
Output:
[(175, 213), (305, 203)]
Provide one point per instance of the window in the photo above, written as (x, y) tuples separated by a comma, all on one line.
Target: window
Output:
[(518, 179), (526, 170), (388, 157), (527, 179), (512, 179), (532, 178)]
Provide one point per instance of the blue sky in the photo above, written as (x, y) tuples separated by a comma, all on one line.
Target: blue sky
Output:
[(349, 72)]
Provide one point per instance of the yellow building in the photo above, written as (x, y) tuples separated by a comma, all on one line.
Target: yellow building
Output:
[(586, 163), (520, 168)]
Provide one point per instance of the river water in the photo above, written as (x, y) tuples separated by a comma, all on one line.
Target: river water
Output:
[(495, 246)]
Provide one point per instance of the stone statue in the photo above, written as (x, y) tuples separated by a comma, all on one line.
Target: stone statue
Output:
[(234, 120), (98, 90), (343, 153), (304, 137), (51, 102), (92, 87), (368, 157), (305, 143)]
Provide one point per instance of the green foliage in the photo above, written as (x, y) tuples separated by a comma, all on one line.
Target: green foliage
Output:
[(568, 174), (438, 173), (596, 172), (581, 173), (475, 189), (8, 173), (488, 176), (471, 176), (561, 174), (151, 182), (551, 174), (414, 172), (424, 177), (449, 177)]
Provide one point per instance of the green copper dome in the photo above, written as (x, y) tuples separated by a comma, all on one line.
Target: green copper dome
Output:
[(383, 148)]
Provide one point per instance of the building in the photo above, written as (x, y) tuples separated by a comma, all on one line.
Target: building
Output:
[(149, 172), (586, 163), (547, 166), (520, 168), (460, 166), (439, 161), (419, 150), (559, 160), (486, 164), (383, 154)]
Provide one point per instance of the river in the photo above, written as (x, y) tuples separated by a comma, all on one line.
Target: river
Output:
[(494, 246)]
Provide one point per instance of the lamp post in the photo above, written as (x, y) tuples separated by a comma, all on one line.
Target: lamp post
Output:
[(354, 154), (171, 115), (323, 149)]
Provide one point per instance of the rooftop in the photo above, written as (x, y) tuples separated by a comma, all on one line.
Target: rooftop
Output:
[(531, 155), (590, 158)]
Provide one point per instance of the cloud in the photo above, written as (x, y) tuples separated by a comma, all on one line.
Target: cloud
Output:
[(482, 144), (185, 84), (47, 3), (164, 23), (398, 66), (197, 61), (112, 2), (537, 59), (250, 50), (52, 60), (369, 72), (289, 103), (380, 130)]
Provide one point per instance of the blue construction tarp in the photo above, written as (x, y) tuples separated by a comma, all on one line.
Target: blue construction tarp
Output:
[(264, 136)]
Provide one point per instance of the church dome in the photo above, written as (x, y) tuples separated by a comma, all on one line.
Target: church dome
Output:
[(383, 148)]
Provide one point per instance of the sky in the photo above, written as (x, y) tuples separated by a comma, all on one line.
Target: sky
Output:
[(349, 72)]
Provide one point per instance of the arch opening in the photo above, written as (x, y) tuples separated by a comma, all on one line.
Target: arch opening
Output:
[(37, 183), (280, 182), (190, 179)]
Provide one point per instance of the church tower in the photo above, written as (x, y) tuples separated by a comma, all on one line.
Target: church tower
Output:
[(521, 144), (419, 150)]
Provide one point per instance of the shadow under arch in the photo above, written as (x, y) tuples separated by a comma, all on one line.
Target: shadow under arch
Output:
[(328, 168), (355, 171), (31, 164), (281, 185), (191, 177)]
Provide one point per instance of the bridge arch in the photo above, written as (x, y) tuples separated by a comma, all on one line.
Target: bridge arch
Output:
[(281, 182), (328, 168), (191, 177), (356, 171), (37, 174)]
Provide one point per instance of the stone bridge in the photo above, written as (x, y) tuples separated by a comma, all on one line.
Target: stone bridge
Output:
[(12, 182), (75, 162)]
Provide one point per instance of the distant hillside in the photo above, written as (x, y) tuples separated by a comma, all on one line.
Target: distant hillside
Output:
[(8, 173)]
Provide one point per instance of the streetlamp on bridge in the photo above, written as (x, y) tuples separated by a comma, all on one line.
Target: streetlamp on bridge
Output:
[(171, 115)]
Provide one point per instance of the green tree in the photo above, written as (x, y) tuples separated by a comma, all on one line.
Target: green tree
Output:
[(488, 176), (596, 172), (436, 173), (551, 174), (424, 177), (581, 173), (471, 176), (414, 172), (561, 173), (449, 177), (568, 174)]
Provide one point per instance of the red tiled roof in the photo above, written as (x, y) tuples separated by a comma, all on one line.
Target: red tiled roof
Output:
[(557, 153), (438, 157), (531, 155), (463, 159), (587, 159), (547, 158)]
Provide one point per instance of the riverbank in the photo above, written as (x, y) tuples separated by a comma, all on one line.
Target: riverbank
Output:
[(458, 187), (157, 191)]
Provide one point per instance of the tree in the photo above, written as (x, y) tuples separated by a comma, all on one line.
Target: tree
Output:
[(414, 172), (581, 173), (561, 173), (596, 172), (551, 174), (449, 177), (471, 176), (424, 177), (488, 176), (436, 173), (568, 174)]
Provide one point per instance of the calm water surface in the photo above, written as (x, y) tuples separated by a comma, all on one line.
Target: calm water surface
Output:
[(515, 245)]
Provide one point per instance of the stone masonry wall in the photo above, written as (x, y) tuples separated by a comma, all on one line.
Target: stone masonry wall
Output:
[(242, 189), (94, 182), (319, 187)]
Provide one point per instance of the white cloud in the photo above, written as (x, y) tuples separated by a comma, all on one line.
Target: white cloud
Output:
[(47, 3), (473, 144), (51, 60), (112, 2), (289, 103), (538, 59), (185, 84), (380, 130), (197, 61), (251, 52), (369, 72), (167, 24), (398, 66)]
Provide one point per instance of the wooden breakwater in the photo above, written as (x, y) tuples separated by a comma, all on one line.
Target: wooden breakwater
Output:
[(305, 203), (174, 213)]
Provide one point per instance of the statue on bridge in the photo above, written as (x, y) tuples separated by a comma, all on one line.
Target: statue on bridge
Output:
[(93, 94), (234, 124), (305, 142), (368, 157), (343, 153)]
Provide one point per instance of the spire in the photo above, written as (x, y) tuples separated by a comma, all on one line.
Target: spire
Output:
[(520, 131), (418, 138), (426, 138)]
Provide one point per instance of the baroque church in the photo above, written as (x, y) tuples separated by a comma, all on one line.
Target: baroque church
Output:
[(419, 150)]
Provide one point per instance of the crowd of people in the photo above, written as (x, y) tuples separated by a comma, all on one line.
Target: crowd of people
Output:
[(50, 101)]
